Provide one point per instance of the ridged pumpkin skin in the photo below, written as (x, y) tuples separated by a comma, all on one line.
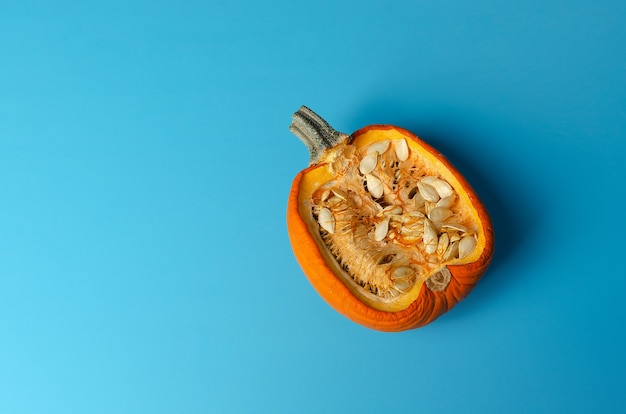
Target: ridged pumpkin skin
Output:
[(428, 305)]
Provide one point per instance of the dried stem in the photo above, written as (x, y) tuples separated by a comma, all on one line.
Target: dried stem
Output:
[(315, 132)]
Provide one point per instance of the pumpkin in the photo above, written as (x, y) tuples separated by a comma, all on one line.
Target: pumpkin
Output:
[(387, 231)]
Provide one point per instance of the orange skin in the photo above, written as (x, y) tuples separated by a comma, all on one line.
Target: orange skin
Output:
[(429, 305)]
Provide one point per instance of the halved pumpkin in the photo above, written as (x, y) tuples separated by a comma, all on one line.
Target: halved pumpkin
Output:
[(387, 231)]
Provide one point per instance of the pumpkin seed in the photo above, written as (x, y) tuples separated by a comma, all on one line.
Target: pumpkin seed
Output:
[(403, 285), (402, 272), (466, 246), (374, 185), (446, 202), (414, 230), (418, 200), (401, 148), (392, 210), (443, 188), (429, 237), (396, 211), (380, 232), (412, 238), (451, 251), (403, 279), (342, 195), (428, 206), (439, 214), (442, 245), (378, 147), (368, 163), (333, 201), (326, 220), (428, 192), (455, 226), (325, 195)]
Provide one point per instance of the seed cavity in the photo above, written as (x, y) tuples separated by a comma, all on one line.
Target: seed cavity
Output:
[(390, 222)]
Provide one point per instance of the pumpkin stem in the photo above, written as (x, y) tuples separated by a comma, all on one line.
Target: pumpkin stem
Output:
[(315, 132)]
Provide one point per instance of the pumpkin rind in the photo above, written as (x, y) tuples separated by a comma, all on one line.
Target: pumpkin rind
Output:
[(428, 305)]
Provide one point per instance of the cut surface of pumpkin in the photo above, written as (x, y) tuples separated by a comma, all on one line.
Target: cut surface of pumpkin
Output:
[(386, 230)]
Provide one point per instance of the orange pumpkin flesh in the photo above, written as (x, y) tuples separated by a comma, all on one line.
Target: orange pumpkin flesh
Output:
[(384, 227)]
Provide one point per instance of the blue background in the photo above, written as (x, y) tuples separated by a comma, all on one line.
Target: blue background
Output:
[(145, 164)]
